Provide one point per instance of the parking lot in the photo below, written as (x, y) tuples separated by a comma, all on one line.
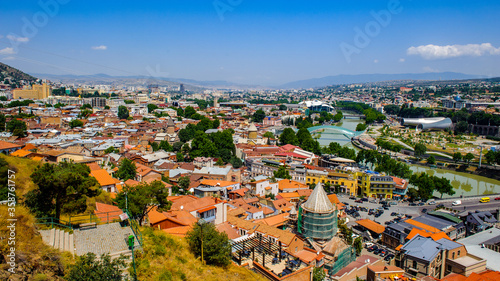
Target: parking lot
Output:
[(400, 208)]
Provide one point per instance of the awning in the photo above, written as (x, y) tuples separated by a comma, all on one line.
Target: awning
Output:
[(206, 209)]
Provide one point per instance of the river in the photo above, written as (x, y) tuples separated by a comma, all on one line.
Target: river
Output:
[(464, 184), (328, 136)]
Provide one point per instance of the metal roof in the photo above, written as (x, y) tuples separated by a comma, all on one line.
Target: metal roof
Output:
[(318, 201)]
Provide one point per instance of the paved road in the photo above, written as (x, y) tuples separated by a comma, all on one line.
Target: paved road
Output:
[(468, 204)]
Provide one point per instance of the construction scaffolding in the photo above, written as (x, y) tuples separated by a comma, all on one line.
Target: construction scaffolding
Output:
[(342, 260), (321, 226)]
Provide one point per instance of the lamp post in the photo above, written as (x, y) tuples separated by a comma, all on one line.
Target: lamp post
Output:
[(201, 222)]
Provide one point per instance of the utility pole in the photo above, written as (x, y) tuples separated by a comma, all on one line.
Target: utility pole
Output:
[(480, 154)]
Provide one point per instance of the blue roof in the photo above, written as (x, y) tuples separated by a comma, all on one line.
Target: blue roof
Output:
[(371, 172)]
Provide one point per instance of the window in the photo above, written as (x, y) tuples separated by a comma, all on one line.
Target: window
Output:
[(453, 256), (459, 253), (415, 264)]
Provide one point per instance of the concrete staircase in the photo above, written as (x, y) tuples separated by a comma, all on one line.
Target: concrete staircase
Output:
[(59, 239)]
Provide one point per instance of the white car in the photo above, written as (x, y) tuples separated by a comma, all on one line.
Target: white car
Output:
[(431, 202), (456, 203), (368, 244)]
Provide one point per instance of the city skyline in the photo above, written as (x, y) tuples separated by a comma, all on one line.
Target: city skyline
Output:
[(250, 42)]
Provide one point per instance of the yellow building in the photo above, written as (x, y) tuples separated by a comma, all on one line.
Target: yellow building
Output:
[(347, 183), (36, 92), (375, 186)]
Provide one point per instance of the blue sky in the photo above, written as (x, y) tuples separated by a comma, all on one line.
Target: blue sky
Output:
[(254, 42)]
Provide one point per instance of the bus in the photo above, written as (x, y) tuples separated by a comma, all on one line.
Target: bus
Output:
[(484, 200)]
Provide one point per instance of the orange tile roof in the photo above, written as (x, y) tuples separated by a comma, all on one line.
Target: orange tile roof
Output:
[(231, 232), (335, 200), (20, 153), (106, 212), (371, 225), (289, 195), (94, 166), (8, 145), (217, 182), (276, 220), (180, 231), (423, 233), (131, 182), (306, 255), (423, 226), (290, 184), (102, 177), (37, 158), (29, 146)]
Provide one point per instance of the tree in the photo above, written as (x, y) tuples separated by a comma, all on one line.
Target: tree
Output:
[(87, 267), (177, 146), (431, 160), (258, 116), (215, 124), (142, 198), (2, 122), (75, 123), (189, 111), (392, 109), (282, 107), (17, 128), (318, 274), (282, 173), (111, 149), (127, 170), (358, 245), (123, 112), (64, 185), (288, 137), (361, 127), (420, 150), (216, 246), (443, 186), (236, 162), (165, 146), (184, 183), (85, 113), (269, 135), (457, 156), (219, 162), (461, 127), (468, 157), (152, 107), (85, 106), (180, 157)]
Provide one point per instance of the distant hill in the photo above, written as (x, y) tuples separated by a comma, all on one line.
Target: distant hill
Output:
[(370, 78), (16, 74)]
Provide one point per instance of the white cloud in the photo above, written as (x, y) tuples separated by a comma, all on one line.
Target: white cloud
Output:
[(450, 51), (7, 51), (18, 39), (99, 48), (429, 69), (375, 61), (402, 60), (9, 58)]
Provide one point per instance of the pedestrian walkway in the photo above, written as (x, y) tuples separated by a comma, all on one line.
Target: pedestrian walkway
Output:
[(106, 238)]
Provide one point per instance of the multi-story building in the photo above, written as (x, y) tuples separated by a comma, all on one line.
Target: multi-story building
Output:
[(344, 181), (36, 92), (375, 185)]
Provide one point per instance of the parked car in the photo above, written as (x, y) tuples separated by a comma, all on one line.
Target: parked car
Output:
[(440, 206), (352, 198), (456, 203), (393, 214), (413, 204), (386, 207), (366, 199), (345, 203), (431, 202), (424, 210), (409, 216), (359, 201), (373, 248), (393, 203), (497, 198), (387, 222), (368, 244), (421, 204), (389, 257), (382, 253)]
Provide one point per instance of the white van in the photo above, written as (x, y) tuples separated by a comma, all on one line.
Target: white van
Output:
[(456, 203)]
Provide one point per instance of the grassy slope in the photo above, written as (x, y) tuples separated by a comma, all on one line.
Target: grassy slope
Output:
[(167, 257), (35, 260)]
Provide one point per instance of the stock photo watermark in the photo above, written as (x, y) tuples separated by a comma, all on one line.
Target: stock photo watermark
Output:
[(363, 36), (11, 221), (31, 26), (224, 6)]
